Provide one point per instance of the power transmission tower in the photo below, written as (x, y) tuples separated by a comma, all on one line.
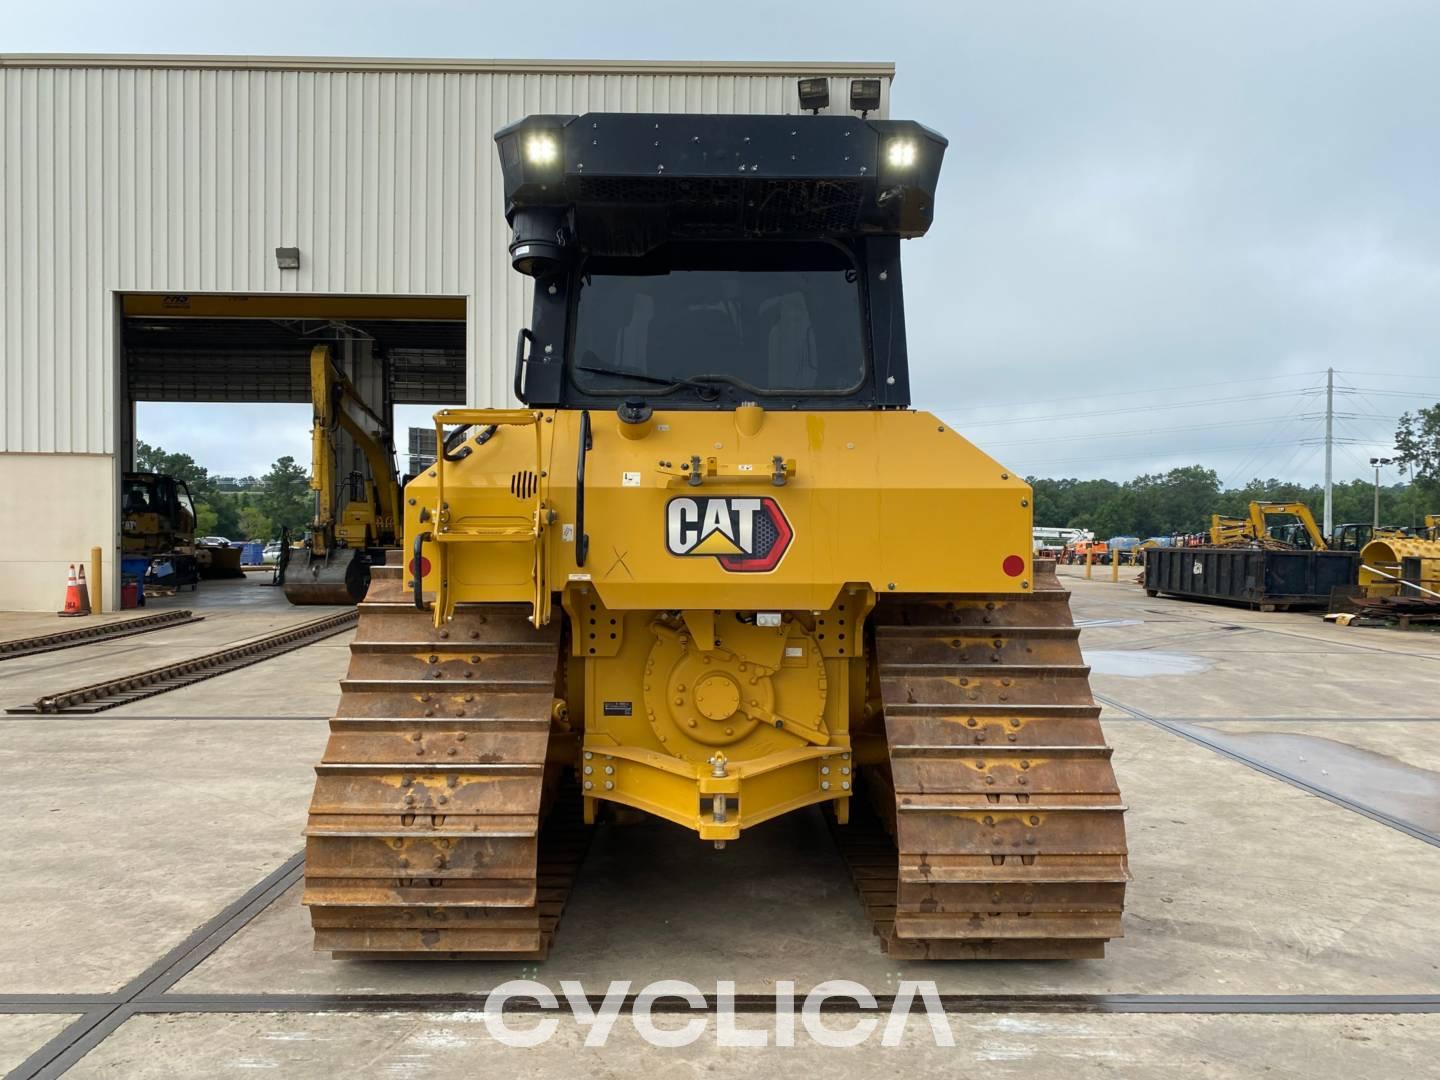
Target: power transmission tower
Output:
[(1329, 526)]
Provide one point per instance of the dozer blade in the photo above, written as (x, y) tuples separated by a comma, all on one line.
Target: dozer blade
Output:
[(997, 829), (425, 830), (341, 578)]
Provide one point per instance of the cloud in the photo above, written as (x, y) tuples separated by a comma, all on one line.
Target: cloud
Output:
[(1138, 195), (229, 440)]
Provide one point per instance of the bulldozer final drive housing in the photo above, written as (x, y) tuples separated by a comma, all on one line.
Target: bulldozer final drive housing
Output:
[(717, 570)]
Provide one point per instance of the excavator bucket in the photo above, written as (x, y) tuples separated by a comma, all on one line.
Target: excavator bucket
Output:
[(341, 578)]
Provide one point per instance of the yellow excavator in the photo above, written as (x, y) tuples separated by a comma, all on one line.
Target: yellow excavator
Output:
[(715, 570), (1256, 529), (356, 515)]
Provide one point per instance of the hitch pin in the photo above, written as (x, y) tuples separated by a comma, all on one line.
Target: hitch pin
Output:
[(718, 803)]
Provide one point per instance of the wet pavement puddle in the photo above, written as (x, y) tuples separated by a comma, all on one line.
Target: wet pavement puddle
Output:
[(1385, 784)]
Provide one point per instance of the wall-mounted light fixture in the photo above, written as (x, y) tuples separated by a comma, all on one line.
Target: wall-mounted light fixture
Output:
[(864, 96), (814, 94), (287, 258)]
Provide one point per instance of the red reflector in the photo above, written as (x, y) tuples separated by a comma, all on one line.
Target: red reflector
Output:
[(424, 566), (1013, 565)]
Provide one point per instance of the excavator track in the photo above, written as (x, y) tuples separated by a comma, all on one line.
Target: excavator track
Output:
[(441, 821), (995, 830)]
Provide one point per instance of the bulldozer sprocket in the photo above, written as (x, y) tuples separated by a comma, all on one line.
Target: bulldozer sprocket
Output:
[(425, 831), (995, 830)]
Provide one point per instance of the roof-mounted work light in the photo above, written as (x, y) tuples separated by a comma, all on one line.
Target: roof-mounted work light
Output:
[(541, 148), (814, 94), (900, 153)]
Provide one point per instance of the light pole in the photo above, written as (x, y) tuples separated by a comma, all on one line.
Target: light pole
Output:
[(1377, 462)]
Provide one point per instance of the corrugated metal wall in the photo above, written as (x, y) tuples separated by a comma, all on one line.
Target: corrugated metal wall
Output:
[(185, 175)]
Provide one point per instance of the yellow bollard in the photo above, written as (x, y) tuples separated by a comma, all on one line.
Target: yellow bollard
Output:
[(97, 583), (1114, 566), (1089, 563)]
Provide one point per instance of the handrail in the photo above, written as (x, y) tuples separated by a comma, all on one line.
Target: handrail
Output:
[(415, 570), (520, 359), (445, 533), (582, 541), (456, 438)]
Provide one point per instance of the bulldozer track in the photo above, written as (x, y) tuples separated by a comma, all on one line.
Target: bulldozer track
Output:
[(995, 830), (439, 821), (100, 696), (65, 639)]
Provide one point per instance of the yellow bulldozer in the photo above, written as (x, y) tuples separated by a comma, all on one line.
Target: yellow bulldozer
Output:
[(716, 570), (157, 522)]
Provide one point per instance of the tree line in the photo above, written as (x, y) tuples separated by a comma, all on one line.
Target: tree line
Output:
[(1182, 501), (283, 501), (1156, 504)]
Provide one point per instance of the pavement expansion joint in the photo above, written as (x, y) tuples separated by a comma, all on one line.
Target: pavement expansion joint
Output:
[(150, 992), (99, 1022), (1276, 773)]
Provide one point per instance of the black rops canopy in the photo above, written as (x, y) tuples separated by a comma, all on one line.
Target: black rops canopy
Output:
[(624, 183)]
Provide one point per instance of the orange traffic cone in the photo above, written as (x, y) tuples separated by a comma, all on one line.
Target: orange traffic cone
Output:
[(76, 602), (85, 608)]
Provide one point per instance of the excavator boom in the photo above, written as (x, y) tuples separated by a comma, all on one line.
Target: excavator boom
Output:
[(348, 533), (1255, 527)]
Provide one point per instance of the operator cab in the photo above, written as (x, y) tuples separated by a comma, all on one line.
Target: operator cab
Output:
[(702, 262)]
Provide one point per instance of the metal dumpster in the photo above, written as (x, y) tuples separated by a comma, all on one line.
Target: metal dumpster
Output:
[(1260, 578)]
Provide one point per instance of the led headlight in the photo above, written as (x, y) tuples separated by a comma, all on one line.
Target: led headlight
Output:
[(541, 149), (900, 153)]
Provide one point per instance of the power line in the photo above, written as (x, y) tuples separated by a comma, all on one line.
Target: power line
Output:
[(1132, 434), (1133, 409), (1359, 438), (1302, 454), (1282, 430), (1119, 393), (1385, 374), (1358, 428), (1428, 395), (1130, 456)]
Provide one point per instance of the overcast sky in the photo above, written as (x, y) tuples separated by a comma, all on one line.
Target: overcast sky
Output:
[(1145, 204)]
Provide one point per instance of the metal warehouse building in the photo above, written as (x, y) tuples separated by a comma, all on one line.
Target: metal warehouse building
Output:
[(142, 200)]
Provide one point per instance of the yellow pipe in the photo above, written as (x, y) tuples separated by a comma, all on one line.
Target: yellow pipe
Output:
[(1389, 554), (1114, 566), (97, 583), (1089, 562)]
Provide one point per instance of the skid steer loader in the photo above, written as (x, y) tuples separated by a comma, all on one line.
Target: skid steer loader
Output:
[(715, 570)]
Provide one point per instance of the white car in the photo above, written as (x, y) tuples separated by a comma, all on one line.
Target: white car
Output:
[(272, 553), (212, 541)]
